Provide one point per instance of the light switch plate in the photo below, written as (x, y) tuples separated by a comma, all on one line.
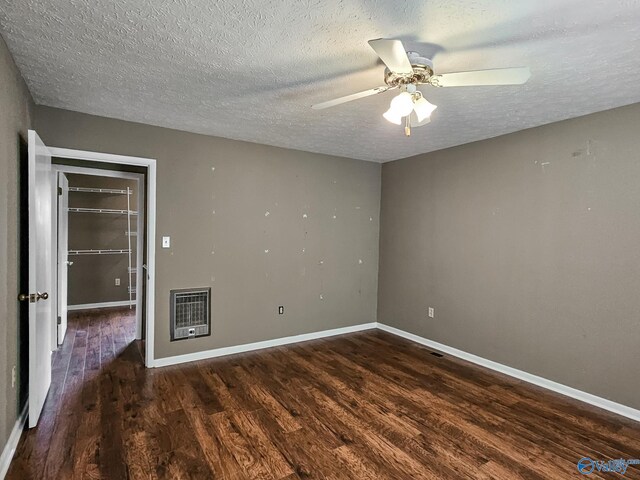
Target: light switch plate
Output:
[(166, 242)]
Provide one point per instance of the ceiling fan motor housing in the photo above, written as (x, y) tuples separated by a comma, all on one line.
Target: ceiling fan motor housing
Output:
[(422, 72)]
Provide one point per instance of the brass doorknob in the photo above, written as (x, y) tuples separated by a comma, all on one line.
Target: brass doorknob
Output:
[(34, 297)]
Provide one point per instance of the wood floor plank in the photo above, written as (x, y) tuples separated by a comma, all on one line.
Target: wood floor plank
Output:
[(220, 460), (360, 406), (60, 451), (269, 403), (308, 456), (261, 444), (476, 422), (251, 463), (560, 436)]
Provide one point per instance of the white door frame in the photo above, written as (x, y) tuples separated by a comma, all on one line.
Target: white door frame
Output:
[(61, 199), (140, 218), (150, 165)]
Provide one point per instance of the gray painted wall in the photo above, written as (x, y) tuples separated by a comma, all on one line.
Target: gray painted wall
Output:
[(235, 214), (15, 119), (92, 277), (527, 246)]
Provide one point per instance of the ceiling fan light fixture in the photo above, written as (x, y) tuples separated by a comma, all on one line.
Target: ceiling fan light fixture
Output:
[(402, 104), (413, 120), (392, 116), (423, 108), (406, 70)]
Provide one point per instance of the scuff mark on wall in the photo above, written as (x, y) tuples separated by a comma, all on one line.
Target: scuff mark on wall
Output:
[(588, 150)]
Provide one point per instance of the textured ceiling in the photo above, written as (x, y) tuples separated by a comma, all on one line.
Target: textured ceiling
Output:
[(250, 69)]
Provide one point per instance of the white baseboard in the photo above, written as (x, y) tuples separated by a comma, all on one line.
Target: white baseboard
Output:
[(603, 403), (219, 352), (91, 306), (12, 443), (589, 398)]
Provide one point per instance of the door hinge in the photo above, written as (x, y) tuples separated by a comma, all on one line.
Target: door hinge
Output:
[(59, 320), (59, 190)]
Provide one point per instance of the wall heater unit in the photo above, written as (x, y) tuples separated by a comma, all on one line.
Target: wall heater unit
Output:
[(190, 313)]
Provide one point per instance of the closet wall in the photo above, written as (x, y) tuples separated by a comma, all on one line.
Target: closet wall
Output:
[(92, 277)]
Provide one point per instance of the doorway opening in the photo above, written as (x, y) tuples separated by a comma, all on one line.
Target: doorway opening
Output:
[(99, 242), (73, 213)]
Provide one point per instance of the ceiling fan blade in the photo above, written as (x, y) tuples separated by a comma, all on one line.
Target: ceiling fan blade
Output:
[(348, 98), (499, 76), (393, 54)]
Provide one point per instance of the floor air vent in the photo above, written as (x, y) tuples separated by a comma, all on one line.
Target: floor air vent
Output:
[(190, 313)]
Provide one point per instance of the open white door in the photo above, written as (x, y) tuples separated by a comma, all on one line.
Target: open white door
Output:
[(41, 312), (63, 253)]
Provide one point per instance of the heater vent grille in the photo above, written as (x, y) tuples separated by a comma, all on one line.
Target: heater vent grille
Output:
[(190, 313)]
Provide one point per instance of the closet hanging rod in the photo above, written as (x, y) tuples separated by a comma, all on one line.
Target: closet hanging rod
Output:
[(101, 210), (100, 190), (99, 252)]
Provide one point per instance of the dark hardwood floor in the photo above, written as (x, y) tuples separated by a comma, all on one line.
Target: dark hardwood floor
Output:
[(360, 406)]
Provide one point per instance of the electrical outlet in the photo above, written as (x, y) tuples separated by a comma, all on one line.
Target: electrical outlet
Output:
[(431, 312), (13, 377), (117, 282), (281, 310)]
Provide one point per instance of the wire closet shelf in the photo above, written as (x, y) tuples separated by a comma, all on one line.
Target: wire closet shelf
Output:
[(131, 270)]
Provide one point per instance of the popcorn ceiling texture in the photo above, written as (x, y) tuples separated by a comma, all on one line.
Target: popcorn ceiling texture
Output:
[(250, 69)]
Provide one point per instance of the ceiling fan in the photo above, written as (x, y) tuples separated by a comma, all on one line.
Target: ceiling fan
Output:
[(406, 70)]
